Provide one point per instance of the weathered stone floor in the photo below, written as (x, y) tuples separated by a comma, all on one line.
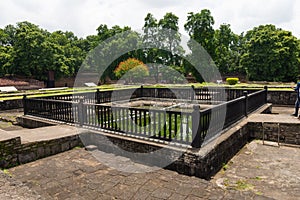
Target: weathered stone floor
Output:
[(11, 188), (257, 172), (76, 174), (267, 169)]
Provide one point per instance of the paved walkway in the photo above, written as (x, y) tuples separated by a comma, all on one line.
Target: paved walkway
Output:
[(8, 129), (264, 169), (40, 134), (258, 172), (11, 189), (77, 174), (280, 115)]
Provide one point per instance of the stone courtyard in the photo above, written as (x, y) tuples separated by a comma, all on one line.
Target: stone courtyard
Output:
[(77, 175), (257, 172)]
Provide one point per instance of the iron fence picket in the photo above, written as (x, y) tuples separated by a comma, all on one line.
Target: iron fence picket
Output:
[(256, 100), (160, 124)]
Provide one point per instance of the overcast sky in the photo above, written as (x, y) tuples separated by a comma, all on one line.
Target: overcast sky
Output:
[(83, 16)]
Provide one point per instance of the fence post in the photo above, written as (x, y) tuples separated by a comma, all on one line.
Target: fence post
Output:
[(196, 127), (192, 93), (25, 104), (246, 103), (142, 92), (98, 96), (80, 111), (266, 94)]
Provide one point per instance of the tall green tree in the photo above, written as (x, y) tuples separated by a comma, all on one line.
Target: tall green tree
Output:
[(67, 51), (5, 52), (28, 50), (150, 39), (163, 40), (170, 39), (30, 56), (271, 54), (226, 57), (200, 28)]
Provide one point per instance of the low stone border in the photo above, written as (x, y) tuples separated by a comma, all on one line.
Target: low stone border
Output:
[(203, 162), (13, 153)]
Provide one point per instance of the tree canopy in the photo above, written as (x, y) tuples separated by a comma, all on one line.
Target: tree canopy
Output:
[(271, 54), (264, 53), (132, 70)]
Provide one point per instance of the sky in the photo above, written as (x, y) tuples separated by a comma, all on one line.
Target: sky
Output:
[(84, 16)]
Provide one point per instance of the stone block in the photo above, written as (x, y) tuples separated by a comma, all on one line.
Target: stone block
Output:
[(26, 157)]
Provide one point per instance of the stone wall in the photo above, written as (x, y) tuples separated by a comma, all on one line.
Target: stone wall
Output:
[(282, 97), (202, 162), (34, 122), (284, 132), (11, 104), (13, 153), (8, 153), (206, 164)]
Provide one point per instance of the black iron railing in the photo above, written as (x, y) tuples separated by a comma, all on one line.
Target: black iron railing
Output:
[(192, 126), (209, 94), (51, 109)]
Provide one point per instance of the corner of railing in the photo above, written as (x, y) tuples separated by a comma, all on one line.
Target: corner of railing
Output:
[(142, 92), (192, 93), (98, 96), (25, 105), (196, 127), (266, 93), (246, 102)]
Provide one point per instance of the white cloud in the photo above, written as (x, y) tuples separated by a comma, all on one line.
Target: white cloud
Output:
[(83, 17)]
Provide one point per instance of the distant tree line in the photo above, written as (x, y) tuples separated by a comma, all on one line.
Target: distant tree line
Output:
[(265, 53)]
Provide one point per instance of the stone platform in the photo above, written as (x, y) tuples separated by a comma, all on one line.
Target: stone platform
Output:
[(77, 174)]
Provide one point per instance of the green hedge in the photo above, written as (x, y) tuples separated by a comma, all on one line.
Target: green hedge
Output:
[(232, 81)]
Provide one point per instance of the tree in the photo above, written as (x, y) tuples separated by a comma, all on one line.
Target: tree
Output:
[(104, 32), (67, 51), (271, 54), (5, 52), (28, 50), (151, 40), (132, 69), (10, 32), (225, 51), (170, 39), (30, 57), (163, 42), (200, 28), (110, 52)]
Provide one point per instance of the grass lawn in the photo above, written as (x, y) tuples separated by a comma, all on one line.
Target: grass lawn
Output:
[(65, 91), (45, 93)]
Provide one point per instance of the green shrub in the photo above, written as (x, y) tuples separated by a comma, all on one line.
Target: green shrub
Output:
[(232, 81)]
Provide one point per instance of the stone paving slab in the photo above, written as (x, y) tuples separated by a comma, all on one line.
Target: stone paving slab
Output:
[(76, 174), (41, 134), (264, 169), (10, 188), (4, 135), (273, 118), (280, 115)]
